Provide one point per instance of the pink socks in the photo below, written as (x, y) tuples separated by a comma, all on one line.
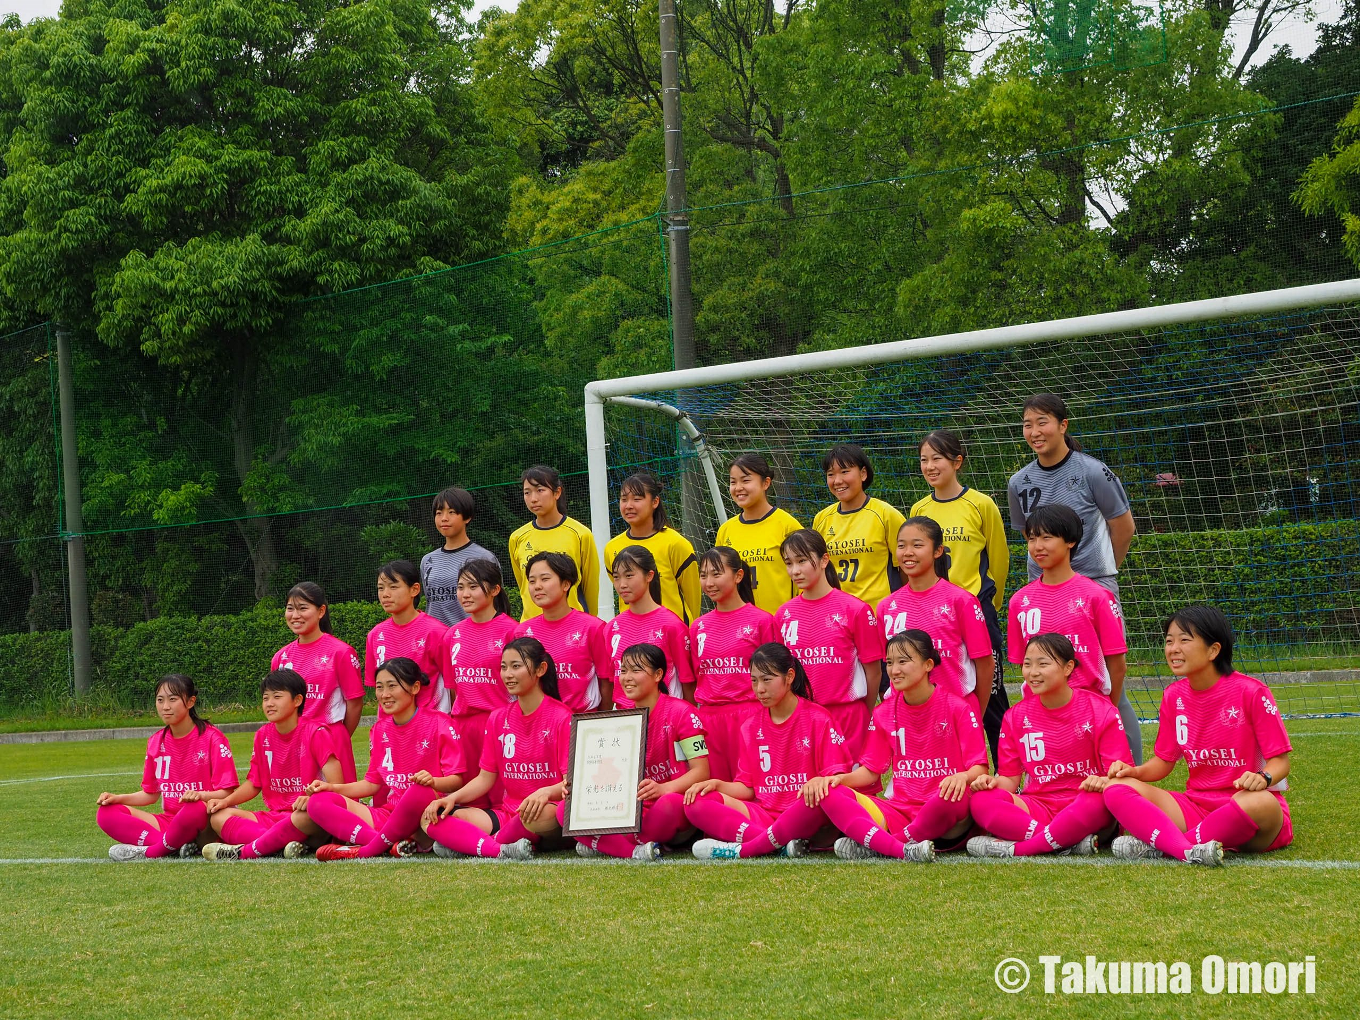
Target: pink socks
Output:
[(1230, 825), (937, 816), (1145, 820), (711, 815), (797, 821), (122, 826), (403, 821), (996, 812), (330, 812), (1085, 815), (846, 813), (186, 823), (464, 837)]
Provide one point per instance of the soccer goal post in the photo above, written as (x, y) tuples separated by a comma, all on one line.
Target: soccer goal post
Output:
[(1233, 422)]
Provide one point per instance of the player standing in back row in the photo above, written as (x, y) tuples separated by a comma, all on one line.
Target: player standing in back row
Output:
[(1062, 474), (439, 568), (860, 531)]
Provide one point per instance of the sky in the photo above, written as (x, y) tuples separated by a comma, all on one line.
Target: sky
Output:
[(1299, 35)]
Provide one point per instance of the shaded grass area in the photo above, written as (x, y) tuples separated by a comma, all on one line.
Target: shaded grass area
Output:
[(592, 939)]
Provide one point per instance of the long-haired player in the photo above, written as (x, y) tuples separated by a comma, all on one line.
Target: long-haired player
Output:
[(649, 528), (575, 641), (860, 530), (644, 619), (553, 531), (407, 633)]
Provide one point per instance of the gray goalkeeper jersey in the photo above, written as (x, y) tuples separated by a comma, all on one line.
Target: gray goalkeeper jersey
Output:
[(439, 579), (1088, 487)]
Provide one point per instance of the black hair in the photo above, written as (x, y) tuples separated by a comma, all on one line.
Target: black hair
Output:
[(310, 592), (404, 571), (531, 650), (646, 655), (1207, 623), (1054, 405), (918, 641), (849, 455), (773, 657), (754, 463), (724, 557), (945, 443), (648, 486), (1056, 520), (290, 682), (183, 686), (548, 477), (487, 573), (404, 671), (936, 535), (639, 558), (810, 545), (460, 501), (560, 564), (1056, 645)]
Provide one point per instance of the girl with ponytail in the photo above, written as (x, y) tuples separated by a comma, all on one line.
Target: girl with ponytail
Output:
[(644, 619)]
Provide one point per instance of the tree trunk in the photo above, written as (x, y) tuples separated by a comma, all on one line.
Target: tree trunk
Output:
[(255, 530)]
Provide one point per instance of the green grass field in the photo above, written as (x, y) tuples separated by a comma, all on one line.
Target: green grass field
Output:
[(567, 938)]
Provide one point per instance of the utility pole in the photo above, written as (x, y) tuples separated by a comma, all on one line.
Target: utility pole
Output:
[(81, 659), (677, 229)]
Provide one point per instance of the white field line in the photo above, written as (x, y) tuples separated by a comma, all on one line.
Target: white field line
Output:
[(82, 775)]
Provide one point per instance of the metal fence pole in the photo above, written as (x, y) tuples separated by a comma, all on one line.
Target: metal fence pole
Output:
[(81, 658)]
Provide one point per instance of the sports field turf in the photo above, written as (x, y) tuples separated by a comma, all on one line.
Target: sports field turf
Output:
[(566, 938)]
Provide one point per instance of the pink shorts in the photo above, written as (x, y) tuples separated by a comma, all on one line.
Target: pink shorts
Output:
[(722, 726), (852, 720), (344, 750), (1043, 808), (1197, 806), (761, 818)]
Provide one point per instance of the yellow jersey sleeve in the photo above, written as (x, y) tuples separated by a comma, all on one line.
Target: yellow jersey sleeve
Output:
[(588, 563), (676, 568), (862, 545), (758, 542), (998, 552), (517, 561), (975, 535), (571, 538)]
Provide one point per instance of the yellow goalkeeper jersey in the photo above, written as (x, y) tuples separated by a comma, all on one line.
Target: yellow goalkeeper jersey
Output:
[(676, 568), (570, 537), (757, 542), (862, 545), (976, 539)]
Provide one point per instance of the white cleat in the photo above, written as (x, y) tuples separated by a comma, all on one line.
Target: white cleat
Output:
[(646, 852), (587, 851), (519, 850), (793, 848), (222, 852), (441, 851), (124, 852), (990, 846), (922, 852), (1131, 848), (1209, 855), (848, 849), (296, 850), (716, 850), (1085, 847)]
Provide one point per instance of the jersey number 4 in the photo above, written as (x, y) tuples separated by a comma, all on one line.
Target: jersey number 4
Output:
[(790, 632)]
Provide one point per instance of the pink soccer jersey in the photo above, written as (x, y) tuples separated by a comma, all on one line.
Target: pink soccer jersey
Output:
[(952, 616), (421, 640), (281, 765), (1081, 610), (331, 669), (834, 637), (1055, 749), (195, 761), (528, 752), (722, 644), (471, 663), (397, 751), (578, 646), (662, 628), (1231, 728), (675, 739), (922, 744), (776, 760)]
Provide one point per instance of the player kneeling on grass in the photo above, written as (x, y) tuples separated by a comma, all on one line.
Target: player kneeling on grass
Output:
[(1228, 729), (1060, 741), (931, 739), (288, 755), (523, 766), (187, 763), (414, 755), (789, 757), (676, 759)]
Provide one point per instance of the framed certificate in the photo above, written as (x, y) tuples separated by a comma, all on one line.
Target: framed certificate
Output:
[(608, 751)]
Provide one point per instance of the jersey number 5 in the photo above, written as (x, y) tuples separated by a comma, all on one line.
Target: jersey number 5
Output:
[(764, 751)]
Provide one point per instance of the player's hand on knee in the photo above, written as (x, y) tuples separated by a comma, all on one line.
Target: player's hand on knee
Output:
[(699, 789), (1250, 782), (953, 787), (984, 783), (1095, 784), (1120, 770)]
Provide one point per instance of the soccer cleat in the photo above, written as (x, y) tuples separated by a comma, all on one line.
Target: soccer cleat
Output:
[(337, 852), (296, 849), (990, 846), (188, 850), (519, 850), (1085, 847), (1131, 848), (716, 850), (444, 853), (127, 852), (921, 852), (588, 851), (793, 848), (848, 849), (645, 852), (222, 852), (406, 848), (1209, 855)]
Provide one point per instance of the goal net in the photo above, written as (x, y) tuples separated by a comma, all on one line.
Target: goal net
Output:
[(1234, 425)]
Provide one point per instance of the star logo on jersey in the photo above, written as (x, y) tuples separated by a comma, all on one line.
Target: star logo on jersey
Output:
[(1077, 603), (498, 644), (324, 660), (748, 631), (547, 734), (807, 743), (836, 620), (421, 644), (658, 634), (1086, 727), (943, 726), (945, 611), (576, 638), (1234, 712), (424, 745), (202, 755)]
